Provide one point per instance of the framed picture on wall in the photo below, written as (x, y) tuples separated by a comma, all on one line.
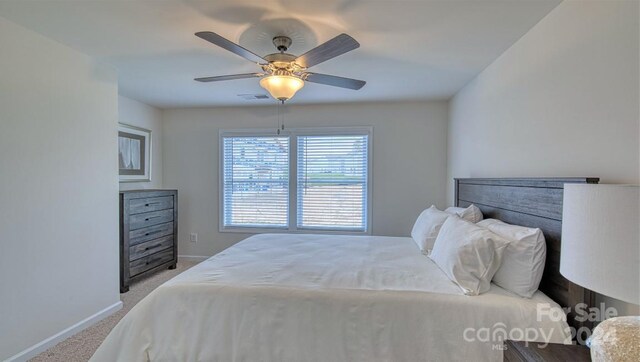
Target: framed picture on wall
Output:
[(134, 153)]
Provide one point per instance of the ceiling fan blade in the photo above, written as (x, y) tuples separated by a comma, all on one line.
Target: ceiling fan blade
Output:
[(229, 77), (334, 81), (230, 46), (337, 46)]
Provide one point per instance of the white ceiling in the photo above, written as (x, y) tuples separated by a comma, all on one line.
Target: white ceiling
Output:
[(409, 49)]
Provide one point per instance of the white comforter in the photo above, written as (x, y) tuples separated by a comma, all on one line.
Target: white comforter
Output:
[(287, 297)]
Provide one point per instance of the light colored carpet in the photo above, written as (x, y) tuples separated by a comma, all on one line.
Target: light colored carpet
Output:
[(81, 346)]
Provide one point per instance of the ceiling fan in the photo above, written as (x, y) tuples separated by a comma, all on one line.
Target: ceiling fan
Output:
[(284, 74)]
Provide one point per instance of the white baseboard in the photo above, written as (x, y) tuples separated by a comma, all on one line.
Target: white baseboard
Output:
[(193, 257), (40, 347)]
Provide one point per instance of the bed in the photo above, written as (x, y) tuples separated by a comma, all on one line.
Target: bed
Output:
[(294, 297)]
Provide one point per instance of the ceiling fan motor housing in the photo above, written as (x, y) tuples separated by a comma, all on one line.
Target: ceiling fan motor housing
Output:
[(282, 43)]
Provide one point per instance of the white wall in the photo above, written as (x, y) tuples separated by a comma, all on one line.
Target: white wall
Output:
[(58, 188), (562, 101), (138, 114), (409, 161)]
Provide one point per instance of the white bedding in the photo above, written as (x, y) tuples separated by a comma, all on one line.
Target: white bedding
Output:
[(292, 297)]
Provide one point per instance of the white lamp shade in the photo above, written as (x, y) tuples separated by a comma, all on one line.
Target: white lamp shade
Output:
[(282, 87), (601, 239)]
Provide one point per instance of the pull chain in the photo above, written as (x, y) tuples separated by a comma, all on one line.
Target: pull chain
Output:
[(282, 105), (280, 118)]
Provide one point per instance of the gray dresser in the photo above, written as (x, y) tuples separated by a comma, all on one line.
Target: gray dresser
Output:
[(148, 233)]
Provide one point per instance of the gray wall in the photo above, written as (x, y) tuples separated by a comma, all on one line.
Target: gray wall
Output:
[(562, 101), (409, 161), (58, 190)]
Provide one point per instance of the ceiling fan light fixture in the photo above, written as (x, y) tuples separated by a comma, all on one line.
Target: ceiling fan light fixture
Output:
[(282, 87)]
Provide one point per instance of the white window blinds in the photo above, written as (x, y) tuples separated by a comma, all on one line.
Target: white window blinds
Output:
[(332, 182), (256, 181)]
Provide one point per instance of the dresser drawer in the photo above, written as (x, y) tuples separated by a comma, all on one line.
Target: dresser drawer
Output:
[(153, 232), (138, 206), (140, 221), (150, 247), (148, 262)]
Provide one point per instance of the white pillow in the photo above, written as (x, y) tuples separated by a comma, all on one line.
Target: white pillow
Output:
[(427, 226), (523, 260), (468, 254), (471, 213)]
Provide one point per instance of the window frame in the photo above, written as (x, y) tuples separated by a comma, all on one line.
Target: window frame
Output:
[(292, 134)]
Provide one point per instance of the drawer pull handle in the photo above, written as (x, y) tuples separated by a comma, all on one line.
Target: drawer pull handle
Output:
[(152, 247), (155, 232), (151, 203), (153, 217)]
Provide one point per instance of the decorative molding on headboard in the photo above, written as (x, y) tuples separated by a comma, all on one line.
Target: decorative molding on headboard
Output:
[(531, 202)]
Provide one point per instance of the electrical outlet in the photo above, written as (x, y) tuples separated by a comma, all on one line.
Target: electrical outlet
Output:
[(194, 237)]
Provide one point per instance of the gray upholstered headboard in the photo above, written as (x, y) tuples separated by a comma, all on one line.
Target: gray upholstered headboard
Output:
[(532, 202)]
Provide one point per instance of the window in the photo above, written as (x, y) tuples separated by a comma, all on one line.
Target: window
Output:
[(332, 182), (256, 181), (322, 184)]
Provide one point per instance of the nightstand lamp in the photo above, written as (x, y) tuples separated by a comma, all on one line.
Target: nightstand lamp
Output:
[(601, 251)]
